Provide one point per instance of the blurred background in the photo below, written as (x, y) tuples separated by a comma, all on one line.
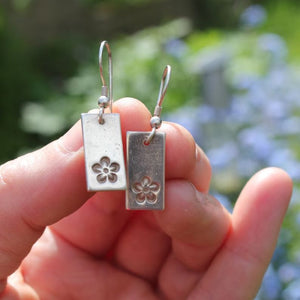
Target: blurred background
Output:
[(235, 85)]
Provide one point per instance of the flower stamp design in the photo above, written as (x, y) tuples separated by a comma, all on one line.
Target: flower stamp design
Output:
[(106, 170), (146, 190)]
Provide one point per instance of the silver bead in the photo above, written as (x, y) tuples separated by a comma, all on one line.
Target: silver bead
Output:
[(155, 122), (103, 101)]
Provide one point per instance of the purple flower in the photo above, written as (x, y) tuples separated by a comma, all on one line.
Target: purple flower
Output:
[(256, 142), (222, 156), (292, 292), (271, 285), (288, 272), (253, 16), (176, 47), (284, 158), (273, 44)]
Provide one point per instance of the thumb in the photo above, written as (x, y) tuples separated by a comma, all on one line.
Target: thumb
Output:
[(256, 222)]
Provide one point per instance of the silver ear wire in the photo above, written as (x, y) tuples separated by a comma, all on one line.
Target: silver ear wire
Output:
[(106, 93), (102, 139), (155, 121)]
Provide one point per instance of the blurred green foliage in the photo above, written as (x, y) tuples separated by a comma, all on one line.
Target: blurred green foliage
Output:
[(115, 2), (45, 86), (283, 19), (17, 79), (138, 63)]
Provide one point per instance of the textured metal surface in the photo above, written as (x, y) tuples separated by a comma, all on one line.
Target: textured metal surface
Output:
[(103, 149), (145, 171)]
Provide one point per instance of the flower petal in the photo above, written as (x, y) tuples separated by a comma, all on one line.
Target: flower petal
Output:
[(140, 198), (137, 188), (114, 167), (105, 162), (96, 168), (146, 181), (102, 178), (151, 198), (112, 177), (154, 187)]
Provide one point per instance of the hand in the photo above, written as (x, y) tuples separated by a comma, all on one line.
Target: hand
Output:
[(87, 246)]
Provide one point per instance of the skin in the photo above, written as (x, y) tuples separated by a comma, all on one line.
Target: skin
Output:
[(57, 241)]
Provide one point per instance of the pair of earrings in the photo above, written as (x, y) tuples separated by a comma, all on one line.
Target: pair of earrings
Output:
[(144, 178)]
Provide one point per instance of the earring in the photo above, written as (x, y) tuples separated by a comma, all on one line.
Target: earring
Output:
[(146, 160), (102, 138)]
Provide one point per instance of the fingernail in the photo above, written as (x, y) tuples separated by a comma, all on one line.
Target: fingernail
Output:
[(199, 153)]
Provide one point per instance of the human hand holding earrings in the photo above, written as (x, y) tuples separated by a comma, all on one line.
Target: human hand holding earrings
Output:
[(60, 242)]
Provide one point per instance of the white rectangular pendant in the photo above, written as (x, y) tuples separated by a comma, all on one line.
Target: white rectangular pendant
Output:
[(145, 171), (103, 150)]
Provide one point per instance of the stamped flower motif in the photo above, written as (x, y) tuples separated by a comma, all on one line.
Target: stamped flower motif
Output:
[(106, 170), (146, 190)]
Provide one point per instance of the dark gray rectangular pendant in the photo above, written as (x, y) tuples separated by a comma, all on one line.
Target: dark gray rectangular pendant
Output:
[(103, 151), (145, 171)]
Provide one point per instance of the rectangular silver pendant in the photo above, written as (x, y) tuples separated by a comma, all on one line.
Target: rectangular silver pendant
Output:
[(103, 150), (145, 171)]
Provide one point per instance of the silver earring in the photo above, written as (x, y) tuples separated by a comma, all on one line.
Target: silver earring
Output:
[(102, 138), (146, 161)]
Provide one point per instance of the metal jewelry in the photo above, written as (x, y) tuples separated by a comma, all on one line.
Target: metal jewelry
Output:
[(146, 161), (102, 139)]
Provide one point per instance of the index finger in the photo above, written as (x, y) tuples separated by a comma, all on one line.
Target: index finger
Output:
[(36, 190), (40, 188)]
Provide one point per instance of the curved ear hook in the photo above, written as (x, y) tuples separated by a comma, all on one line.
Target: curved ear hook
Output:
[(155, 121), (163, 86), (106, 94)]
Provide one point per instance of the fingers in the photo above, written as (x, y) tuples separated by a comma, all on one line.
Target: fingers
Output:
[(41, 188), (184, 159), (57, 270), (193, 223), (96, 225), (142, 247), (142, 240), (104, 215), (176, 280), (196, 222), (36, 190), (257, 219)]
